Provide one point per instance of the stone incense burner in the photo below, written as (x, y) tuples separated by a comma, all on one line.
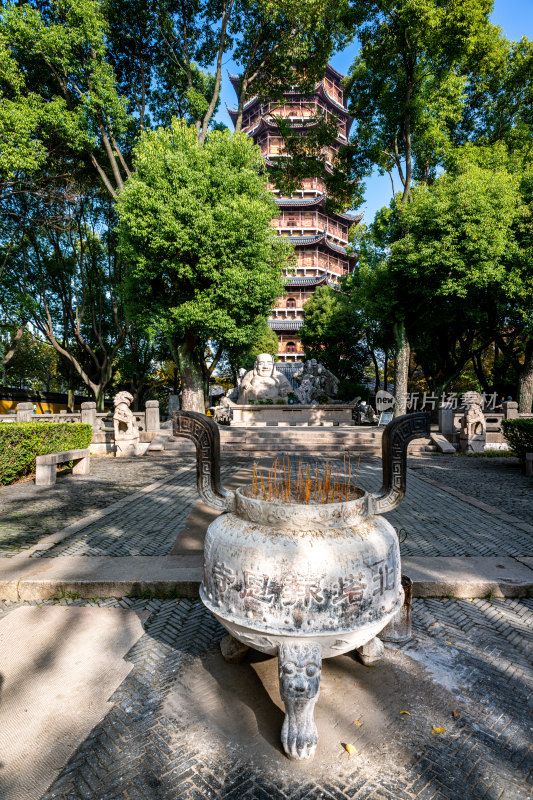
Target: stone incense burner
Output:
[(305, 581)]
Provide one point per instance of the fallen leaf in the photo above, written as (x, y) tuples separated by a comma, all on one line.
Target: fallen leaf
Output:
[(455, 714), (438, 730), (350, 749), (448, 642), (406, 712), (357, 723)]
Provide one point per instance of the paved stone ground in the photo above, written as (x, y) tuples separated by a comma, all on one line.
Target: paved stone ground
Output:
[(476, 656), (497, 481), (431, 522), (29, 512)]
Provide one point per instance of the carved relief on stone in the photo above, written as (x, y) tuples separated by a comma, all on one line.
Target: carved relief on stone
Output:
[(126, 431), (300, 669), (264, 382)]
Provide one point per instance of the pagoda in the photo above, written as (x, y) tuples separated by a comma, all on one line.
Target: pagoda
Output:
[(320, 238)]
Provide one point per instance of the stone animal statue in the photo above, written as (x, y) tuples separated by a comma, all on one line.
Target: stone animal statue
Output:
[(126, 431), (264, 382), (473, 425)]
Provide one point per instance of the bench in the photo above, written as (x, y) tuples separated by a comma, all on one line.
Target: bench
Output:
[(529, 464), (46, 471)]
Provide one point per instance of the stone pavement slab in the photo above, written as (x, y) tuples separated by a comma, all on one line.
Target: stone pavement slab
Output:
[(180, 576), (469, 577), (99, 576), (58, 669), (184, 725), (496, 481)]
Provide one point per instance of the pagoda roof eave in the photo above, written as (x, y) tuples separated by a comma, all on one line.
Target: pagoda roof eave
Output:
[(305, 280), (287, 202), (320, 238), (233, 113), (319, 200), (234, 80), (334, 72)]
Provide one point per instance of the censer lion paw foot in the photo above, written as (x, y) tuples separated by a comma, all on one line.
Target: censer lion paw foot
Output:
[(300, 668)]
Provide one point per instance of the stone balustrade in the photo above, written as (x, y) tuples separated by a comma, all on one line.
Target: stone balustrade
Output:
[(102, 441)]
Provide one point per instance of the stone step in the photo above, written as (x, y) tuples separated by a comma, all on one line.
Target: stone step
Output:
[(289, 435), (331, 449)]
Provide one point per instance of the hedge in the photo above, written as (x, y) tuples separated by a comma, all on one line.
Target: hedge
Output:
[(519, 434), (22, 442)]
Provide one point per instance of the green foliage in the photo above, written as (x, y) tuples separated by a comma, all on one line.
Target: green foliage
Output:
[(194, 228), (332, 333), (407, 83), (22, 442), (34, 363), (519, 434), (435, 261), (57, 89), (263, 340)]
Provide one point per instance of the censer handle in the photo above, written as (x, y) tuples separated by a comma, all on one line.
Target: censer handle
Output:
[(396, 437), (206, 436)]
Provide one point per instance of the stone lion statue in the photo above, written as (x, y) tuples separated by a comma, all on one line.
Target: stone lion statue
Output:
[(126, 431), (264, 382), (473, 425)]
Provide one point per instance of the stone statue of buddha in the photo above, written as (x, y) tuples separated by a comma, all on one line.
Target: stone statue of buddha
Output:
[(264, 382)]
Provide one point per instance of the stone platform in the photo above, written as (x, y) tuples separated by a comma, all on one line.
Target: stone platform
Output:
[(325, 440), (292, 415)]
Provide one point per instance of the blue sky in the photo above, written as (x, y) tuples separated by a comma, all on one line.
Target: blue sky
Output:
[(515, 17)]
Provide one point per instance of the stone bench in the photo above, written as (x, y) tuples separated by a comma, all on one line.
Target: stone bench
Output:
[(46, 471), (529, 464)]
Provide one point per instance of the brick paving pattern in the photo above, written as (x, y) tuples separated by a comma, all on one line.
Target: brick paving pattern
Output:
[(27, 512), (431, 521), (498, 482), (138, 753)]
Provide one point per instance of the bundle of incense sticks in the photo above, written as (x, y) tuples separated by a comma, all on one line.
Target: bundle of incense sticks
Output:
[(285, 483)]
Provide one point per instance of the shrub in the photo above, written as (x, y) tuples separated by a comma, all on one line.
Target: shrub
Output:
[(22, 442), (519, 434)]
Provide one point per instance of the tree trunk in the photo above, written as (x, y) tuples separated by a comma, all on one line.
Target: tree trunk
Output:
[(12, 347), (192, 382), (377, 381), (525, 381), (99, 397), (401, 367), (70, 389), (386, 371)]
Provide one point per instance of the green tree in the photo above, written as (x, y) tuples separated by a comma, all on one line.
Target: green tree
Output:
[(333, 334), (204, 262), (406, 88), (34, 364), (262, 340), (440, 258)]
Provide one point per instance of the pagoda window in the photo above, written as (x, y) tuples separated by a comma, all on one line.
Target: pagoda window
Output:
[(291, 302), (291, 347)]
